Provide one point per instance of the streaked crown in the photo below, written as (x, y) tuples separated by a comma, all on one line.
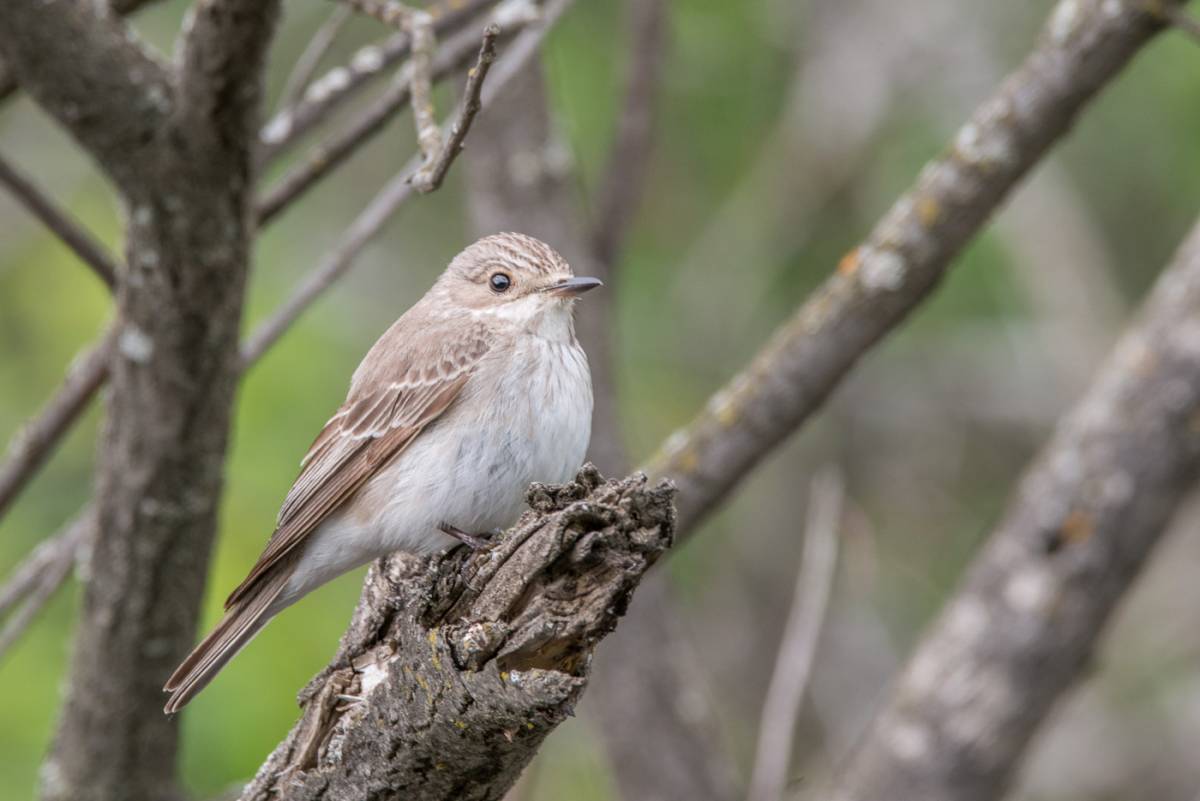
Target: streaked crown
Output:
[(509, 251)]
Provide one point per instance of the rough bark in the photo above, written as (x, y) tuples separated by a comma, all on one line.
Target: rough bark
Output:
[(451, 675), (180, 149), (1025, 621), (1084, 45)]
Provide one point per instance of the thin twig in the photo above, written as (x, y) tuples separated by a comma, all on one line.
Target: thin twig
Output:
[(384, 204), (310, 59), (361, 231), (798, 648), (329, 92), (89, 251), (1182, 20), (36, 580), (434, 169), (37, 439), (323, 158)]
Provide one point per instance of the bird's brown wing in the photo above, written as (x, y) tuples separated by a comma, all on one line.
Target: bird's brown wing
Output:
[(378, 420)]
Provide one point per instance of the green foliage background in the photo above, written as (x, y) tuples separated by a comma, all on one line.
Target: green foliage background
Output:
[(688, 317)]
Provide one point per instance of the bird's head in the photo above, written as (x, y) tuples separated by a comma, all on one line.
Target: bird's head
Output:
[(515, 278)]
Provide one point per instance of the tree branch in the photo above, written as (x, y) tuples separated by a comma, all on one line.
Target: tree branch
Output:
[(1024, 623), (323, 158), (36, 580), (798, 647), (451, 678), (335, 87), (310, 59), (436, 165), (89, 251), (87, 69), (1084, 45), (34, 443)]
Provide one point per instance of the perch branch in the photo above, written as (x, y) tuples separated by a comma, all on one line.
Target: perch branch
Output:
[(1024, 623), (454, 676)]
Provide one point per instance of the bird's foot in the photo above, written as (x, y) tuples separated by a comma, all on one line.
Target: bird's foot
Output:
[(472, 541)]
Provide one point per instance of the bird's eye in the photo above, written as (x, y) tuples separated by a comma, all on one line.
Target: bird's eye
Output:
[(500, 282)]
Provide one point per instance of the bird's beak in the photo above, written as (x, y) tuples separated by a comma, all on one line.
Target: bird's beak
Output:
[(571, 287)]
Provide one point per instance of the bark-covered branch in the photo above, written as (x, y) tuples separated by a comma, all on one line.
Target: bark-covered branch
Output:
[(1023, 625), (450, 677), (1083, 46), (85, 67)]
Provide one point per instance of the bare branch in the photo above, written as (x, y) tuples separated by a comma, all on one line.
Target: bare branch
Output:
[(89, 251), (37, 579), (458, 673), (86, 67), (435, 167), (306, 65), (34, 443), (629, 156), (899, 265), (364, 228), (429, 135), (802, 632), (1024, 623), (323, 158), (334, 88)]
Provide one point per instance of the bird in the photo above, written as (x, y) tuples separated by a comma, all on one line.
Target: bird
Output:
[(476, 391)]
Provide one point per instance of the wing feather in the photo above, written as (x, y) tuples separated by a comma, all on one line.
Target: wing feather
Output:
[(373, 427)]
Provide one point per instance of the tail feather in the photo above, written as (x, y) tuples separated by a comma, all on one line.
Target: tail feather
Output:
[(235, 630)]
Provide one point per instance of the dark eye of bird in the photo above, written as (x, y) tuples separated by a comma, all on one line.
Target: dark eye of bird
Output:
[(500, 282)]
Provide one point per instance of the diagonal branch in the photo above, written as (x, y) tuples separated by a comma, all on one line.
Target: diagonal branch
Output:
[(331, 91), (89, 251), (801, 635), (35, 581), (433, 170), (328, 155), (454, 676), (1023, 625), (88, 70), (310, 59), (34, 443), (1084, 45)]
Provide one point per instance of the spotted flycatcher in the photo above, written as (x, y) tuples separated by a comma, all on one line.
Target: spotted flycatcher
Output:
[(478, 390)]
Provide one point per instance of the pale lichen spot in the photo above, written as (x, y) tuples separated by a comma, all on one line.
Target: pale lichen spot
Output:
[(1030, 591), (277, 129), (135, 344), (368, 59), (968, 618), (881, 270), (1065, 21)]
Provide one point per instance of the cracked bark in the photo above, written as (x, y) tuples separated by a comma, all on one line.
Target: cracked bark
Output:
[(453, 672)]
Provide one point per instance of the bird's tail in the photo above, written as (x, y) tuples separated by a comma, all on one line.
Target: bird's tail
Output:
[(241, 622)]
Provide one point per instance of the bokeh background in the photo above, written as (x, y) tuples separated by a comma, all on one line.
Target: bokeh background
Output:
[(784, 130)]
